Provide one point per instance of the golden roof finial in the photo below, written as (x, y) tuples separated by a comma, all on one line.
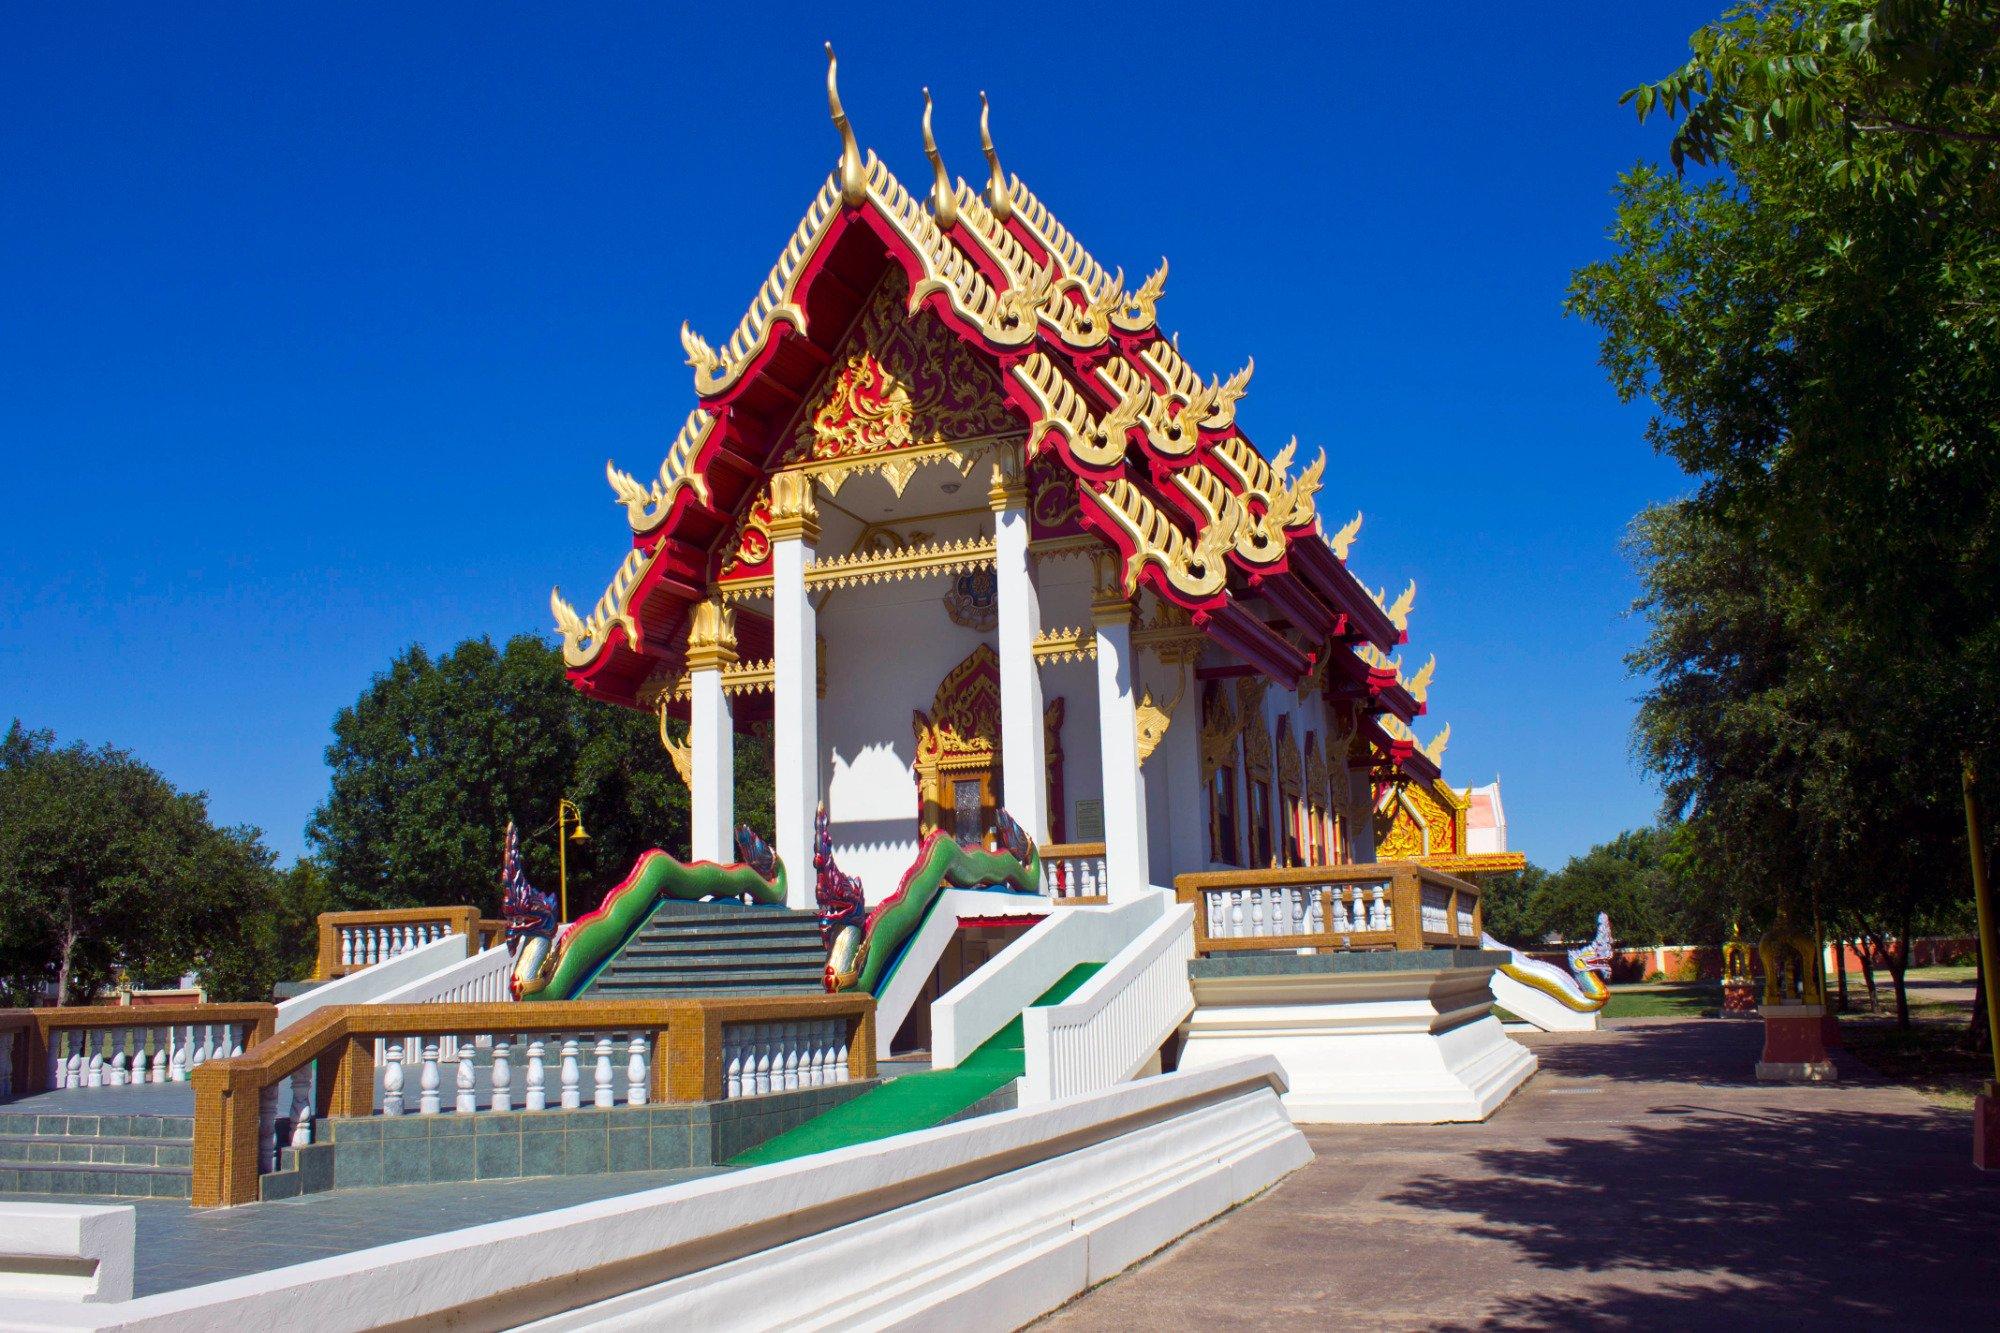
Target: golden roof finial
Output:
[(853, 178), (996, 184), (944, 207)]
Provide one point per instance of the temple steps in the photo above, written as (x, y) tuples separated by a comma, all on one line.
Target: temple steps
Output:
[(688, 949), (123, 1156)]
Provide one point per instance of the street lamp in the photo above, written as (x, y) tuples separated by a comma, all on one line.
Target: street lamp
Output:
[(567, 816)]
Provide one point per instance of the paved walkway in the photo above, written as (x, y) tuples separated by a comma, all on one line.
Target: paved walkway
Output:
[(180, 1246), (1642, 1180)]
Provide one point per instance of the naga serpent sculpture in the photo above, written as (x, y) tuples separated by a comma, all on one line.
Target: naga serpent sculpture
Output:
[(552, 965), (862, 950), (1589, 967)]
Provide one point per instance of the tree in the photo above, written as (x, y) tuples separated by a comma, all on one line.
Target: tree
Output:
[(1814, 324), (437, 755), (106, 867)]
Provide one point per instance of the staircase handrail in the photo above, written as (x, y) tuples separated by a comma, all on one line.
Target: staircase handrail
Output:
[(1014, 978), (480, 978), (374, 984), (421, 924), (1117, 1021), (1332, 909), (29, 1033)]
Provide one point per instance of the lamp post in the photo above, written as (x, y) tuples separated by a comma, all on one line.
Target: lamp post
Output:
[(567, 816), (1986, 1106)]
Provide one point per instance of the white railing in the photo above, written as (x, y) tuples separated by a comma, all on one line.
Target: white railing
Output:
[(1115, 1024), (480, 979), (119, 1057), (1437, 911), (558, 1072), (378, 983), (1464, 921), (1074, 870), (1024, 971), (365, 946), (1299, 909), (776, 1057)]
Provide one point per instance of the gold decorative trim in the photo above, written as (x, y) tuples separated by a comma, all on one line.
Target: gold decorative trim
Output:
[(943, 206), (1288, 503), (1343, 541), (793, 512), (740, 678), (1221, 396), (1195, 568), (1434, 751), (647, 506), (1151, 721), (996, 186), (1009, 487), (1060, 409), (853, 185), (680, 752), (1419, 685), (584, 637), (711, 637), (743, 590), (1064, 548), (899, 465), (1074, 644), (938, 558), (1171, 433), (715, 370), (1062, 247)]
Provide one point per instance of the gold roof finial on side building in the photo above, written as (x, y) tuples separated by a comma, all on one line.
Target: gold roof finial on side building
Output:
[(944, 207), (853, 178), (997, 197)]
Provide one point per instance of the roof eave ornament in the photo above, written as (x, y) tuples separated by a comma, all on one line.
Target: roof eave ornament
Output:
[(944, 205), (853, 176), (997, 197)]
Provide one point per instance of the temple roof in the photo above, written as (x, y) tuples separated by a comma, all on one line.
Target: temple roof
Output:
[(1148, 453)]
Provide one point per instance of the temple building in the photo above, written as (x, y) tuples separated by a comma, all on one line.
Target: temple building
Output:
[(951, 512)]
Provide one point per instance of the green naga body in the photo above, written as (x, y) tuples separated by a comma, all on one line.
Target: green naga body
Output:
[(560, 969), (861, 956)]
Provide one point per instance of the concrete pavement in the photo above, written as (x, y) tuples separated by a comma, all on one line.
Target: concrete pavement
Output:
[(1642, 1179)]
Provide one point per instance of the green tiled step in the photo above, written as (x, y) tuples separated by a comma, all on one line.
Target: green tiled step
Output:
[(708, 949), (91, 1126), (781, 947), (102, 1150), (625, 981), (132, 1182)]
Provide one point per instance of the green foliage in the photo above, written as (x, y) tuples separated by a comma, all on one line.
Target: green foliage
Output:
[(437, 754), (106, 867), (1814, 324), (1634, 877)]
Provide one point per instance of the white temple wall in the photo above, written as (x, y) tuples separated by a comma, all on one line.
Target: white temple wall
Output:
[(1065, 587), (887, 646)]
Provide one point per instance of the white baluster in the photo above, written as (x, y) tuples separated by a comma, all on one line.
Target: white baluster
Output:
[(635, 1071), (428, 1102), (267, 1129), (572, 1096), (302, 1105), (1382, 909), (392, 1078), (468, 1100), (160, 1061), (1236, 914), (840, 1072), (346, 946), (733, 1078), (58, 1066), (537, 1074), (78, 1077), (95, 1078), (233, 1035), (115, 1043), (603, 1092), (503, 1077)]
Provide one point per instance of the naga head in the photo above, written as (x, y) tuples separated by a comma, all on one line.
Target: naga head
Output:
[(838, 894), (1014, 839), (1596, 955), (756, 853), (530, 913)]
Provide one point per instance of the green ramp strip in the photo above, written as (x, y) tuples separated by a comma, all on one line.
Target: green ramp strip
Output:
[(917, 1101)]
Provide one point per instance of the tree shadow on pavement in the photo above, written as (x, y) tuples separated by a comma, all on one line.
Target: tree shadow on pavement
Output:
[(1782, 1217)]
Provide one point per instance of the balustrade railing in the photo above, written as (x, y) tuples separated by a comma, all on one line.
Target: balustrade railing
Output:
[(1390, 905), (1074, 872), (469, 1059), (106, 1046), (777, 1057), (351, 941), (1115, 1024)]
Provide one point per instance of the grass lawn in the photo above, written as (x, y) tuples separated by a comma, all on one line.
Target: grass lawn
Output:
[(1695, 999)]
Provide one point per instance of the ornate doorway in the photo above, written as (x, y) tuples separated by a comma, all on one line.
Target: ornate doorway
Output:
[(958, 749)]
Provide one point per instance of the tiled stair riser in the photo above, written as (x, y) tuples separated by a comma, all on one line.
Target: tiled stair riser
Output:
[(132, 1156), (362, 1153)]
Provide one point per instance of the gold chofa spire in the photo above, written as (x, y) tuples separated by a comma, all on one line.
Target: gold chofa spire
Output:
[(853, 179), (944, 207), (997, 197)]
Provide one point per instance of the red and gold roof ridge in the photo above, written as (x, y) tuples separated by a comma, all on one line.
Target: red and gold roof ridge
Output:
[(1164, 472)]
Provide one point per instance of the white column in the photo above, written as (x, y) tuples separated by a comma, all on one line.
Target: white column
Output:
[(1023, 756), (711, 732), (1177, 764), (1124, 787), (795, 684)]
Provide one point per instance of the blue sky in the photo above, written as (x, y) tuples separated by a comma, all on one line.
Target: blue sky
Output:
[(317, 325)]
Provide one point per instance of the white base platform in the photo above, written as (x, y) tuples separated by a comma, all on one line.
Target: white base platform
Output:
[(1408, 1046)]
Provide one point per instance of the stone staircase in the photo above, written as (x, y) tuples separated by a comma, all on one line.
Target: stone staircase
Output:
[(131, 1156), (716, 949)]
